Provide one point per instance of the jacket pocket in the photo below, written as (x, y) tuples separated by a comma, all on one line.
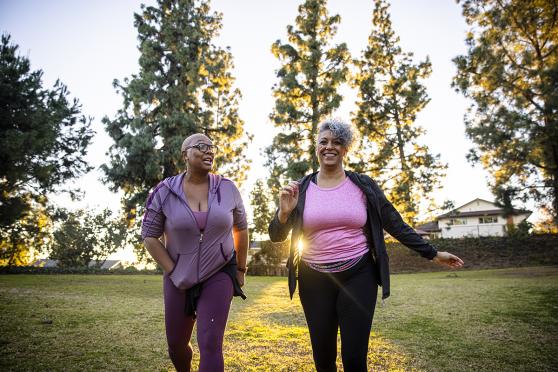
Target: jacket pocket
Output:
[(223, 252), (184, 274), (175, 265)]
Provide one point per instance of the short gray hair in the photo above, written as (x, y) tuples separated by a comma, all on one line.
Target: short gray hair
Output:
[(341, 130)]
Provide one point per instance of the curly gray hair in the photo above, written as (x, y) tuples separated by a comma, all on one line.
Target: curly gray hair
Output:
[(340, 129)]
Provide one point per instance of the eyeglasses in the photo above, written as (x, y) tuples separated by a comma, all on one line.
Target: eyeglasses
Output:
[(203, 147)]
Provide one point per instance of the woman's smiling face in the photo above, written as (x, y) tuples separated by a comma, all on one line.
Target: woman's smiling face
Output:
[(330, 150)]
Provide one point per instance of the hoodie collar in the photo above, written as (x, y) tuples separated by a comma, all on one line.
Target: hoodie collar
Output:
[(175, 186)]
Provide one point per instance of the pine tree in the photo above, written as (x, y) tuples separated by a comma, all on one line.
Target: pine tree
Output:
[(510, 72), (390, 94), (310, 74), (43, 136), (43, 143), (184, 86)]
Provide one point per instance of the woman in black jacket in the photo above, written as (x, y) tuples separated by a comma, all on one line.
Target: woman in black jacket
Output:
[(341, 217)]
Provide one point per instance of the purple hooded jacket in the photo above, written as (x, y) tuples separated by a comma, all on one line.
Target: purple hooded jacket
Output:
[(197, 255)]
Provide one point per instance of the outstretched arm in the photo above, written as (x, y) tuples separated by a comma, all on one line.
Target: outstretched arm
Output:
[(396, 227), (448, 259)]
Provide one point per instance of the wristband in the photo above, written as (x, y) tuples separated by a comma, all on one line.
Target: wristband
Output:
[(241, 269)]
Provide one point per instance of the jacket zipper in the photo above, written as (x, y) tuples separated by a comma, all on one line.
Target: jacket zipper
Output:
[(209, 202), (199, 253)]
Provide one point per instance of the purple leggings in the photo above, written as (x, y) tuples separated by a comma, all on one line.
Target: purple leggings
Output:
[(212, 312)]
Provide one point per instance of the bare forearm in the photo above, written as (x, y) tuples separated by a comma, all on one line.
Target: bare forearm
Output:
[(283, 216), (159, 253), (241, 246)]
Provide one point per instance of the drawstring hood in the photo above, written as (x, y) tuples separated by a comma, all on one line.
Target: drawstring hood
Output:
[(215, 186), (175, 186)]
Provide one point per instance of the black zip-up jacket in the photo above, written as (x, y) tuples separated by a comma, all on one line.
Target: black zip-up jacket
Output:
[(381, 215)]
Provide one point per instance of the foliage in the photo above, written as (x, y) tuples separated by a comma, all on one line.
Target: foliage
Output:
[(310, 74), (43, 143), (28, 235), (81, 270), (84, 237), (271, 253), (262, 208), (184, 86), (390, 95), (546, 224), (521, 230), (510, 73)]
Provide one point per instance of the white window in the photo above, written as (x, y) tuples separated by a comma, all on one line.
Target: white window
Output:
[(457, 221), (491, 219)]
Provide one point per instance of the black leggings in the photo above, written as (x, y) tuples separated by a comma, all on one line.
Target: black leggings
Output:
[(344, 300)]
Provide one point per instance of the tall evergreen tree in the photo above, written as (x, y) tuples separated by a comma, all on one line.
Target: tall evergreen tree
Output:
[(510, 72), (43, 138), (390, 94), (184, 86), (43, 143), (310, 74)]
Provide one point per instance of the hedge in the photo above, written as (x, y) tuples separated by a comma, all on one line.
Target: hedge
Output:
[(478, 253), (73, 270)]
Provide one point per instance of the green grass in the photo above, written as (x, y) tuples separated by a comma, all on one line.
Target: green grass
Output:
[(490, 320)]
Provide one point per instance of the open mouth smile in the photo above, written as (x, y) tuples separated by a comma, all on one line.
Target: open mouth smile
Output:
[(329, 154)]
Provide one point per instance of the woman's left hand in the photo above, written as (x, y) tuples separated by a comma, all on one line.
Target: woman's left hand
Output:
[(240, 278), (448, 259)]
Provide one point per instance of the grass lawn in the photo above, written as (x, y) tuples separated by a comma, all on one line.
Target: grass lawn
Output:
[(489, 320)]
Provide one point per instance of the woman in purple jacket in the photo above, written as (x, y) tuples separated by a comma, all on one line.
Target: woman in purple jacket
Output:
[(203, 221)]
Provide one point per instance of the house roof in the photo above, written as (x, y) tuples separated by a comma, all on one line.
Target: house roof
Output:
[(428, 227), (489, 212), (108, 264)]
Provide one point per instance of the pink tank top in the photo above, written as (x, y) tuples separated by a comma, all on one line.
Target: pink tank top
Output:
[(201, 219), (333, 223)]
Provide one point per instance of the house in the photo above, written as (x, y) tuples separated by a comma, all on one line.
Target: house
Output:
[(476, 218), (428, 230), (45, 262), (107, 265)]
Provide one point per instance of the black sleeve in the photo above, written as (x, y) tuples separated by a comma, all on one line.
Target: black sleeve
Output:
[(278, 231), (396, 227)]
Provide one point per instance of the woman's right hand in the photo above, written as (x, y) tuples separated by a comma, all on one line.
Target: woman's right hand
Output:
[(288, 197)]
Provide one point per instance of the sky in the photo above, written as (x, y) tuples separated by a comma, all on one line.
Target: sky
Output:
[(88, 44)]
